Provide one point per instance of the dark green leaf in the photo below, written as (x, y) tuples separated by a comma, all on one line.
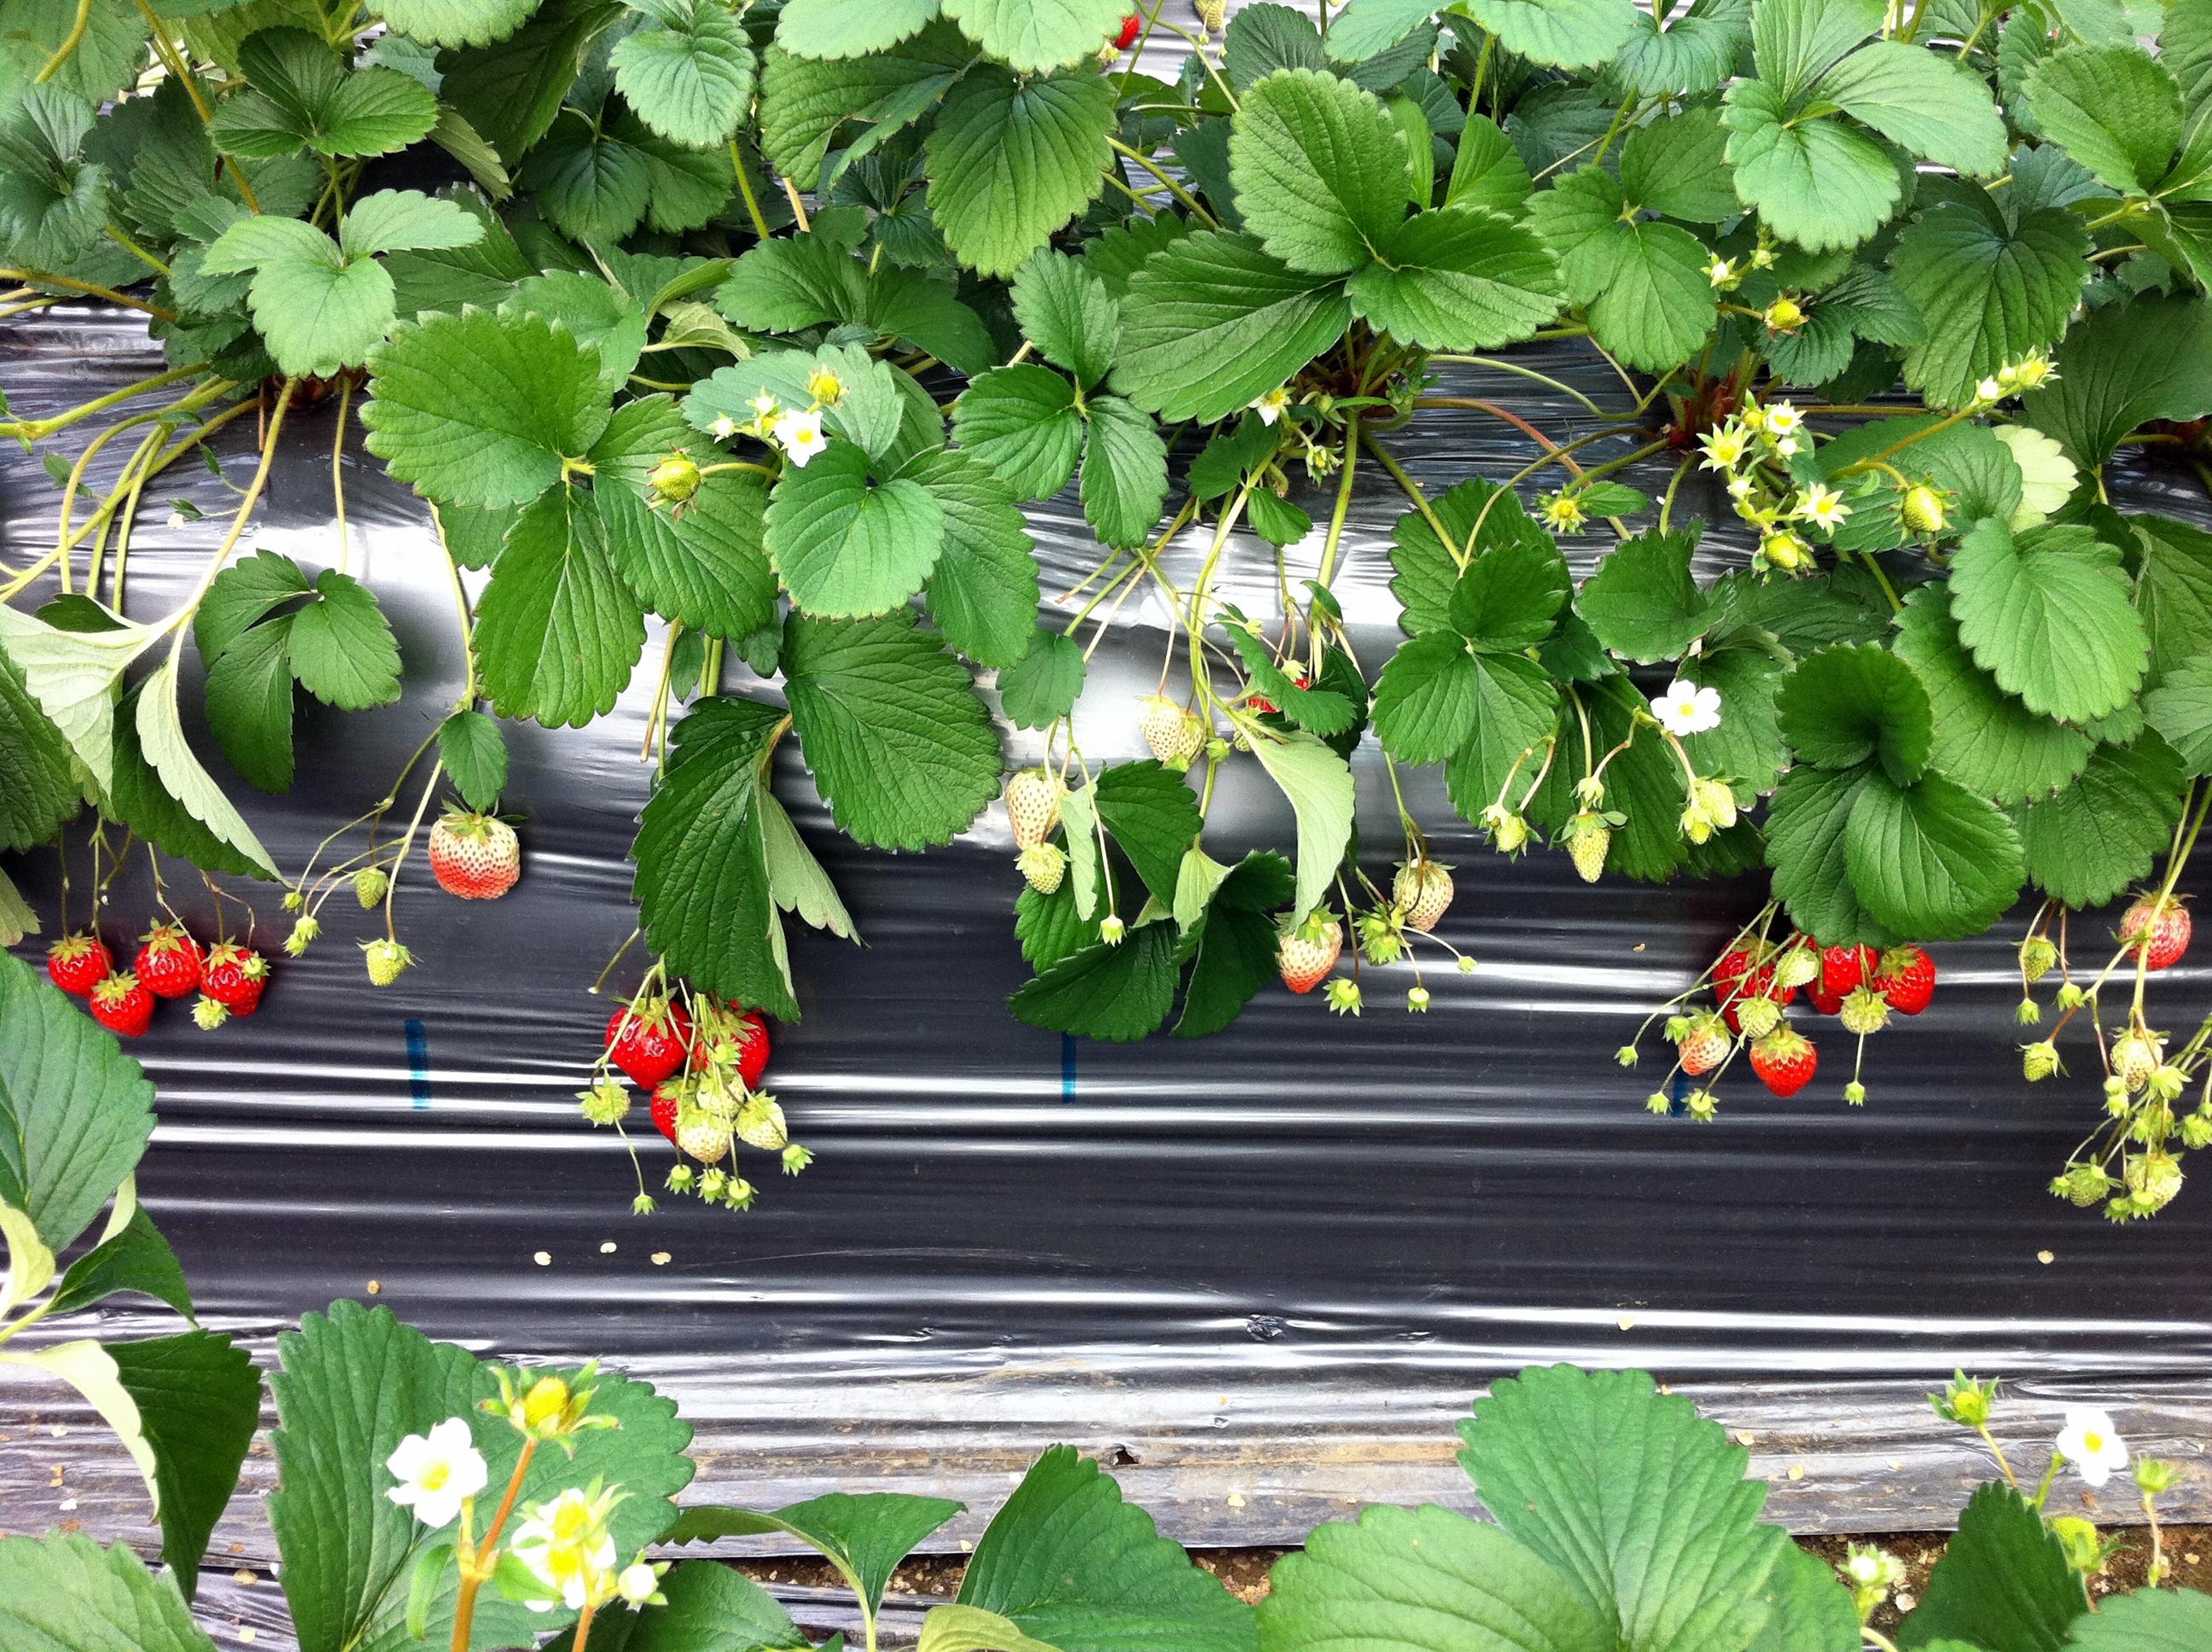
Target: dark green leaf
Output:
[(2107, 826), (1985, 739), (1112, 992), (1043, 686), (2003, 1581), (557, 632), (1844, 705), (199, 1401), (1153, 816), (1642, 601), (1931, 859), (1805, 845), (2048, 615), (136, 1259)]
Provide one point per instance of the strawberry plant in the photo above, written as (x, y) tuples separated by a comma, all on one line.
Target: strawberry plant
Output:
[(731, 344)]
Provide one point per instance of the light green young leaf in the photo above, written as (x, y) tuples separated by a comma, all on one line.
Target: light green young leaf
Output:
[(845, 549), (2048, 615), (690, 78), (2149, 1620), (1487, 170), (161, 736), (865, 1537), (1566, 33), (73, 677), (1462, 278), (17, 919), (1931, 859), (1078, 819), (795, 878), (1641, 1505), (1319, 785), (972, 1629), (75, 1112), (65, 1593), (2113, 108), (557, 632), (1320, 171), (30, 1263), (1010, 160), (481, 409), (1212, 324), (1990, 291), (804, 103), (837, 28), (1022, 421), (1423, 1580), (902, 749), (1034, 35)]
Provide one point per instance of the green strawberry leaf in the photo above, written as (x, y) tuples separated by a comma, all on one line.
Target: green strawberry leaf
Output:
[(455, 23), (1320, 171), (1844, 705), (1125, 472), (1480, 516), (1642, 601), (38, 791), (804, 103), (1037, 34), (1236, 941), (1464, 279), (2149, 1620), (2180, 709), (1931, 859), (1509, 595), (1114, 993), (1153, 816), (2113, 108), (1066, 1559), (1806, 826), (1043, 686), (1985, 739), (903, 752), (836, 28), (1012, 160), (2105, 829), (1067, 312), (1212, 324), (198, 1400), (690, 78), (1023, 421), (1423, 1580), (702, 882), (2003, 1581), (557, 631), (475, 755), (67, 1594), (53, 205), (300, 96), (865, 1537), (2124, 365), (1318, 783), (982, 593), (1930, 102), (1566, 33), (342, 646), (1641, 1506), (1650, 300), (2048, 615), (481, 409), (1991, 291), (845, 549), (319, 310), (1815, 182)]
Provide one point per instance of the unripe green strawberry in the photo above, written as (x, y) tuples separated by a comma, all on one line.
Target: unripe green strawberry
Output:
[(1755, 1018), (704, 1137), (1864, 1011), (1175, 736), (1922, 508), (387, 960), (1422, 891), (209, 1013), (2136, 1056), (1590, 839), (2038, 957), (759, 1124), (1044, 866), (1033, 806), (2152, 1178), (1798, 966), (1309, 952), (370, 885)]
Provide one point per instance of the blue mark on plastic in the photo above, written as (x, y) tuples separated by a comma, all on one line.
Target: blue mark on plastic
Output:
[(1678, 1090), (1067, 1066), (418, 1062)]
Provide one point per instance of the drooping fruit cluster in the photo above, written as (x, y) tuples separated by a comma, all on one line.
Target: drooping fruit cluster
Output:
[(229, 976), (701, 1062)]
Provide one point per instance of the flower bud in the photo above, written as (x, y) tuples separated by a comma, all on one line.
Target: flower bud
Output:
[(305, 928), (1965, 1401), (2027, 1012), (1417, 999), (825, 387), (293, 900), (1111, 929)]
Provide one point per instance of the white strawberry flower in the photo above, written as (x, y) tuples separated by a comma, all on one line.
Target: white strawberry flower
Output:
[(1270, 406), (764, 407), (1784, 419), (799, 435), (1822, 506), (565, 1546), (1686, 708), (2090, 1444), (1724, 447), (437, 1472)]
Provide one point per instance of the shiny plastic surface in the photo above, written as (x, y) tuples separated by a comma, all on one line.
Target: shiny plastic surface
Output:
[(1261, 1272)]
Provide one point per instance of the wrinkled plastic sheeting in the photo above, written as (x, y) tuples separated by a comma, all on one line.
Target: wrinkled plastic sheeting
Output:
[(1262, 1273)]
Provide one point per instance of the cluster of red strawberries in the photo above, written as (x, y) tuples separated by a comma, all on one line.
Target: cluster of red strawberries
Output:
[(1755, 980), (652, 1042), (228, 976)]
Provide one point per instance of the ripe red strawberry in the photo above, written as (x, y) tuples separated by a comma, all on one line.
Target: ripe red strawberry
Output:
[(76, 963), (1905, 976), (1758, 983), (1843, 968), (744, 1031), (1308, 953), (648, 1041), (1132, 27), (2164, 925), (477, 857), (1261, 702), (1735, 964), (1826, 1002), (666, 1098), (1784, 1060), (168, 964), (233, 976), (1704, 1047), (123, 1005)]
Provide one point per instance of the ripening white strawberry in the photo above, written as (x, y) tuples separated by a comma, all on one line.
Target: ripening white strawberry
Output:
[(1043, 866), (1422, 891), (1175, 735), (1306, 954), (477, 857), (1033, 806)]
